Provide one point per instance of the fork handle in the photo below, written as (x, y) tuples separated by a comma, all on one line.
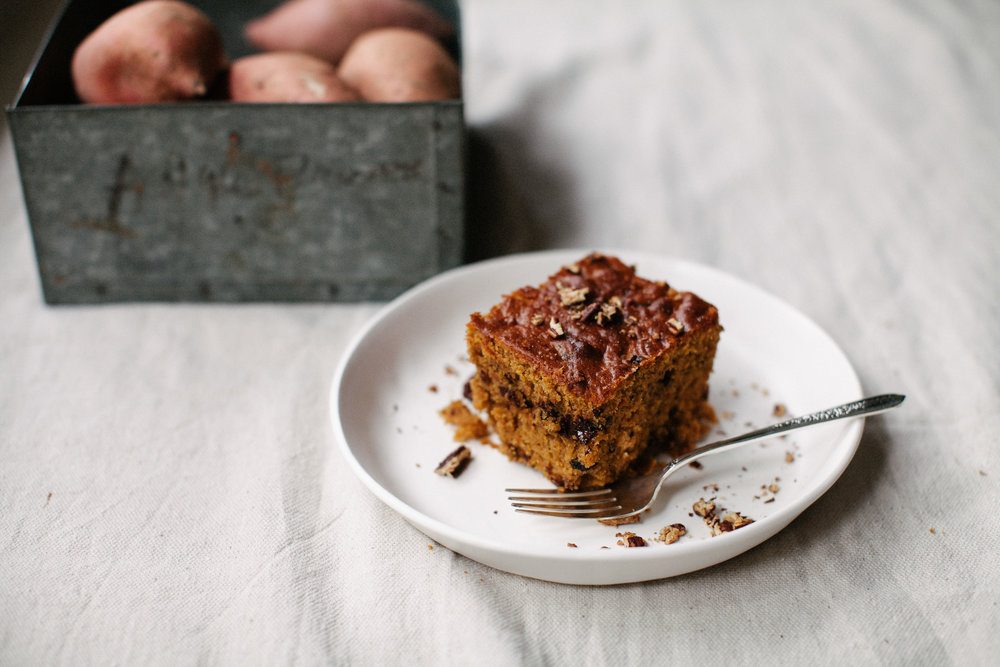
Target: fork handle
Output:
[(866, 406)]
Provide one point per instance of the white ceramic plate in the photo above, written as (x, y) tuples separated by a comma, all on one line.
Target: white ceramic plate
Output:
[(385, 415)]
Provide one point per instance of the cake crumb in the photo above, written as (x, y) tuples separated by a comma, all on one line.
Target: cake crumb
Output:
[(933, 532), (455, 463), (779, 410), (982, 473), (448, 370), (467, 425), (769, 500), (430, 547), (711, 487), (630, 540), (433, 388), (621, 520), (571, 545), (773, 488), (672, 533), (728, 416), (789, 457), (697, 465)]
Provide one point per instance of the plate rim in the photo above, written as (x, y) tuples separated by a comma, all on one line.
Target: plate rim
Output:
[(851, 430)]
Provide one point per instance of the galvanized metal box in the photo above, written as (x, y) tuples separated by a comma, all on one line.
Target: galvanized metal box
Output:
[(219, 201)]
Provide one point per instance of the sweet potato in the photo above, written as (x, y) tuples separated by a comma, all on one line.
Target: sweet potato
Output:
[(326, 28), (398, 65), (154, 51), (286, 77)]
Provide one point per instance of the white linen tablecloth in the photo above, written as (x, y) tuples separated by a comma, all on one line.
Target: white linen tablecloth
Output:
[(169, 488)]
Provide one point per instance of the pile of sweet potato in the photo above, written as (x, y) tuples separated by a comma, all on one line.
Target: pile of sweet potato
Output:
[(314, 51)]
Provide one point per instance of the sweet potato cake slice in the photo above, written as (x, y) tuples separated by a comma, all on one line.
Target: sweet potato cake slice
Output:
[(582, 374)]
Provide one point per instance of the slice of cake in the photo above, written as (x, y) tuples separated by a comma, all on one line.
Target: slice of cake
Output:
[(582, 374)]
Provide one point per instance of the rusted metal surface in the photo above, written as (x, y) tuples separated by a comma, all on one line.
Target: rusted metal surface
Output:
[(219, 201)]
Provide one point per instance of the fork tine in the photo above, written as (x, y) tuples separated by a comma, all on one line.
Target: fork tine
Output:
[(603, 514), (569, 506), (556, 492), (598, 500)]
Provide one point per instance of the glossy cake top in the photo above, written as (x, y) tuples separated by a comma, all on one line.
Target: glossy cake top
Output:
[(593, 323)]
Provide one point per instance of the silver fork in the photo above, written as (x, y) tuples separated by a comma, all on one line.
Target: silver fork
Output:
[(631, 496)]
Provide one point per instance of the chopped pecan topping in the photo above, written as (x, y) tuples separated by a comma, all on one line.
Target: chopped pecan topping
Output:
[(574, 269), (555, 329), (630, 540), (572, 297), (736, 520), (704, 507), (728, 522), (538, 319), (607, 312), (675, 326), (454, 463), (672, 533)]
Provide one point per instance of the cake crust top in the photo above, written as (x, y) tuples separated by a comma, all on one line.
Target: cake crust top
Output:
[(595, 322)]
